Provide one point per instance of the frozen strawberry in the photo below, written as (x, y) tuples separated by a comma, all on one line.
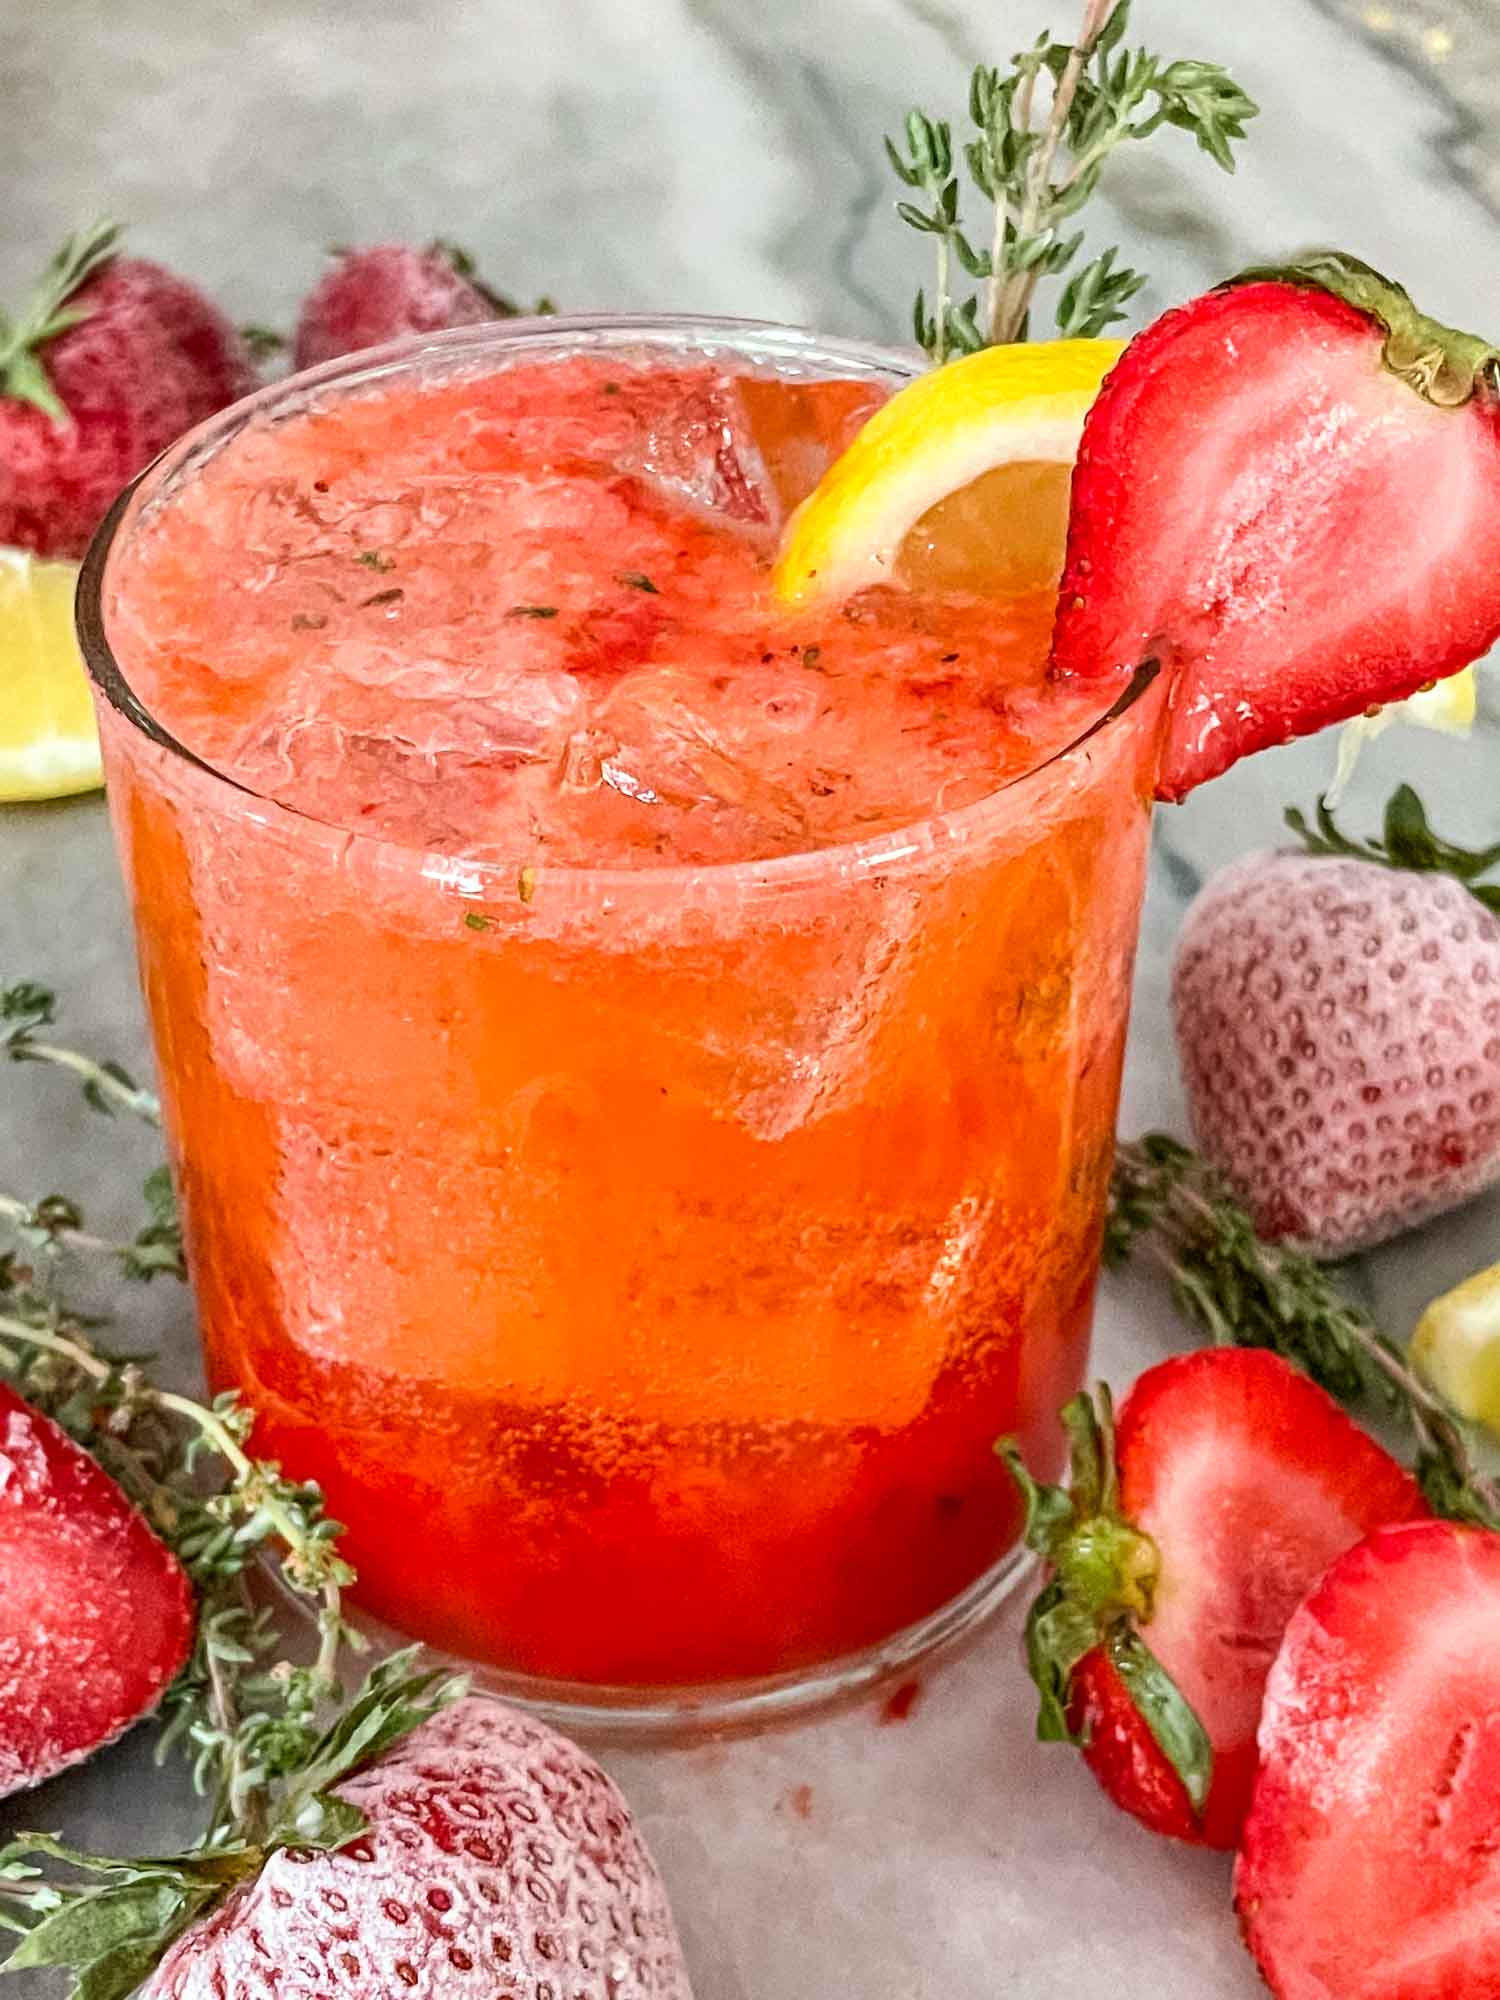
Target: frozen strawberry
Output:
[(96, 1616), (498, 1860), (110, 361), (1338, 1020), (1289, 491), (378, 294), (1368, 1861), (1186, 1542)]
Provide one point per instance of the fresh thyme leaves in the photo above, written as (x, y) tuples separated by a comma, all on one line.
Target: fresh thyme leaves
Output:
[(1406, 841), (373, 559), (1241, 1292), (1042, 133), (248, 1716), (635, 579), (26, 1009), (532, 611)]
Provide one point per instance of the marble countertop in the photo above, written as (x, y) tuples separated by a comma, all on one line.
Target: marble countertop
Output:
[(703, 154)]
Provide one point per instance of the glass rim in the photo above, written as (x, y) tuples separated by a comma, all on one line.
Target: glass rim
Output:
[(768, 340)]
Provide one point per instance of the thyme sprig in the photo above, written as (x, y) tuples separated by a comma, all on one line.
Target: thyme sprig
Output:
[(1043, 131), (246, 1714), (1168, 1204)]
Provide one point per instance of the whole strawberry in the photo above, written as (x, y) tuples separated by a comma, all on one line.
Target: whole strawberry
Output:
[(96, 1615), (378, 294), (112, 359), (1338, 1018), (497, 1860)]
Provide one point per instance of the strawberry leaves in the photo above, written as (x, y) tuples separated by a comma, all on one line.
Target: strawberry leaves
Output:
[(112, 1932), (1407, 841), (109, 1934), (46, 314), (1104, 1573)]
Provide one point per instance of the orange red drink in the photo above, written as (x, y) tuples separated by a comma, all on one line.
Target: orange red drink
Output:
[(640, 1063)]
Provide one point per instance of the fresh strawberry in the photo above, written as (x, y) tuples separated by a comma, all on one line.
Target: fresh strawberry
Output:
[(1229, 1484), (1338, 1018), (1288, 491), (1368, 1862), (369, 296), (111, 360), (498, 1860), (96, 1616)]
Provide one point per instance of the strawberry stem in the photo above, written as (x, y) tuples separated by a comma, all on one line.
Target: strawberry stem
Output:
[(1407, 842), (48, 313), (1100, 1592), (1443, 365)]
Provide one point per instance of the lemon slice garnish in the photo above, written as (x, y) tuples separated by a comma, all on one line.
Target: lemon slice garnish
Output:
[(48, 743), (1457, 1347), (961, 478)]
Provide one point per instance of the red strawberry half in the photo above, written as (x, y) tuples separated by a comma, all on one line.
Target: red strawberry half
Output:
[(96, 1616), (1369, 1863), (1288, 490), (378, 294), (1184, 1545), (110, 361)]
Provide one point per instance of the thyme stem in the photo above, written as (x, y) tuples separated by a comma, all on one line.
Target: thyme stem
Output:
[(130, 1097), (1010, 299)]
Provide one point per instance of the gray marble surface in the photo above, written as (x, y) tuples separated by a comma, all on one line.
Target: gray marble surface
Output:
[(700, 153)]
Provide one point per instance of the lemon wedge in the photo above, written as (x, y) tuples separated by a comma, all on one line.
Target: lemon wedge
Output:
[(48, 743), (1457, 1347), (961, 478)]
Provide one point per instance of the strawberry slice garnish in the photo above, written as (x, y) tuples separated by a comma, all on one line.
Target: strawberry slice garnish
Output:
[(1369, 1864), (1288, 490), (1193, 1528), (96, 1615)]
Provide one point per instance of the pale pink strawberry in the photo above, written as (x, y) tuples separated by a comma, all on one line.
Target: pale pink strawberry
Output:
[(498, 1863), (1338, 1020), (390, 289)]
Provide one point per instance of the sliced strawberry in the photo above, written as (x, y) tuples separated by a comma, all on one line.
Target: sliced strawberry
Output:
[(1288, 489), (96, 1615), (1369, 1863), (1238, 1482)]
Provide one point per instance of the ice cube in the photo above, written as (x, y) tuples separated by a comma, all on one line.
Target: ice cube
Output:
[(429, 770), (672, 743), (826, 1052), (694, 439)]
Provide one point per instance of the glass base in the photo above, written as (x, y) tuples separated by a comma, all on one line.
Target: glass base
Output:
[(666, 1715)]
